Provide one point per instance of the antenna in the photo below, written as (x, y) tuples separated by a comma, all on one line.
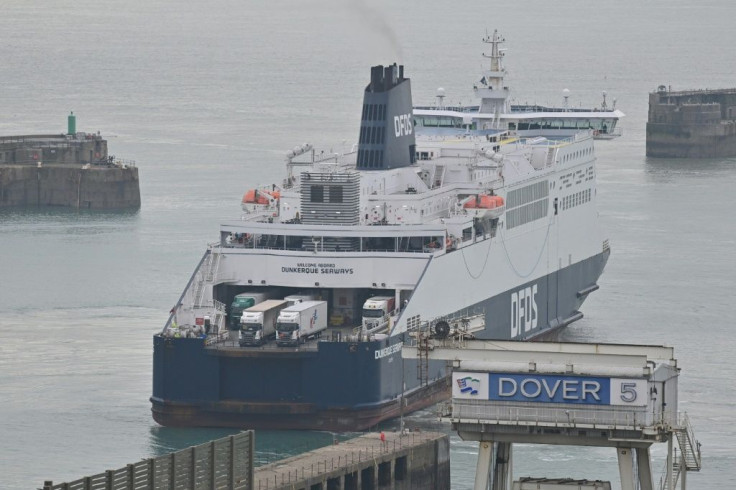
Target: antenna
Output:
[(440, 98), (603, 105)]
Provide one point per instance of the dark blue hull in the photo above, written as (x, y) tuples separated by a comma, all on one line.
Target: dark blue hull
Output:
[(339, 386), (336, 386)]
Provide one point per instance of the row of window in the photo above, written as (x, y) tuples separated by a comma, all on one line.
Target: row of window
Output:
[(519, 197), (527, 213), (374, 112), (576, 199), (440, 122), (602, 125), (372, 135), (317, 193), (577, 154)]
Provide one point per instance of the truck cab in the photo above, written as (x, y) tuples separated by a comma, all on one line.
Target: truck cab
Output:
[(258, 322), (300, 321), (242, 302), (376, 311)]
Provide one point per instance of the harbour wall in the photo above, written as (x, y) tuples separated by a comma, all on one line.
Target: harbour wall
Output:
[(411, 461), (691, 124), (69, 185)]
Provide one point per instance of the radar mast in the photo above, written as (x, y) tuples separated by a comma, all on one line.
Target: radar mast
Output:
[(492, 93)]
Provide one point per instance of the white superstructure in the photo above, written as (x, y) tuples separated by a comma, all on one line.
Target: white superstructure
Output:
[(417, 235), (495, 111)]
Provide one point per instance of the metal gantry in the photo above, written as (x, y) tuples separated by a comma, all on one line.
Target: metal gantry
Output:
[(606, 395)]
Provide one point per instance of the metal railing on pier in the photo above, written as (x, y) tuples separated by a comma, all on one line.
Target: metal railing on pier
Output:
[(558, 417), (351, 453), (223, 463)]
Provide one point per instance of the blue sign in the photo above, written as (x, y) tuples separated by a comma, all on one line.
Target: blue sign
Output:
[(545, 388)]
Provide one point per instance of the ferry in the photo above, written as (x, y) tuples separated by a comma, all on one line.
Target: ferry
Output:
[(496, 111), (484, 233)]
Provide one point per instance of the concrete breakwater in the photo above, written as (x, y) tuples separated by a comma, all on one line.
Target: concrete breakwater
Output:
[(68, 170), (70, 185), (691, 123)]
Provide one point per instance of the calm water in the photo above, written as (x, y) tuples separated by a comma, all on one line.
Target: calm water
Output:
[(208, 97)]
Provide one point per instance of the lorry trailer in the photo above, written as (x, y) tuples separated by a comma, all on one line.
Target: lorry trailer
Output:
[(258, 323), (300, 321)]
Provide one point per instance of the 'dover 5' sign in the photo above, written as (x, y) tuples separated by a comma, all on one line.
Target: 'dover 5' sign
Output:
[(544, 388)]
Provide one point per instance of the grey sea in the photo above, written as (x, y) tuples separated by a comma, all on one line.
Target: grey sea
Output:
[(208, 96)]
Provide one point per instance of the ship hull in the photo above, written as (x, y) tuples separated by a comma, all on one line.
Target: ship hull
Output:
[(343, 386)]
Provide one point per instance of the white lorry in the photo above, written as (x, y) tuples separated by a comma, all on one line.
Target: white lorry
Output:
[(258, 323), (300, 321), (376, 311), (293, 299)]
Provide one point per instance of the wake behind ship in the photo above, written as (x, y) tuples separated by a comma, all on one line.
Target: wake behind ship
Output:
[(295, 318)]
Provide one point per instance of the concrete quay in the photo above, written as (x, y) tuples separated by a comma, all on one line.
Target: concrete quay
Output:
[(65, 170), (415, 460)]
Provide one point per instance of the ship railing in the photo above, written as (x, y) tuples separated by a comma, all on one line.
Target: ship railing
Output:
[(222, 342), (425, 250), (581, 135), (465, 411)]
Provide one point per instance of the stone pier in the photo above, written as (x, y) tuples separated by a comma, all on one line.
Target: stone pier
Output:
[(67, 171), (415, 460)]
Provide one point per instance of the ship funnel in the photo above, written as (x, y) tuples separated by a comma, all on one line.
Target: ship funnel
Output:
[(387, 125)]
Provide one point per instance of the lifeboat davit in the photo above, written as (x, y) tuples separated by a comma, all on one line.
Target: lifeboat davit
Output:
[(486, 205), (257, 198)]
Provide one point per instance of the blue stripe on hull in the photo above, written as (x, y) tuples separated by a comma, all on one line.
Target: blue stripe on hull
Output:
[(342, 386)]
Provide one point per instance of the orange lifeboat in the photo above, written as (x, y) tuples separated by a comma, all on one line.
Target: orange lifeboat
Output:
[(255, 196), (484, 201)]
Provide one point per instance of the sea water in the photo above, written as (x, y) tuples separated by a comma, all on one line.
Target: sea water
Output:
[(208, 97)]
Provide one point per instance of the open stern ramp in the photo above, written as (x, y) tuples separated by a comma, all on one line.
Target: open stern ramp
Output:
[(606, 395)]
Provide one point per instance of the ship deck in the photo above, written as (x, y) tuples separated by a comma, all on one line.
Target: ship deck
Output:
[(228, 347)]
